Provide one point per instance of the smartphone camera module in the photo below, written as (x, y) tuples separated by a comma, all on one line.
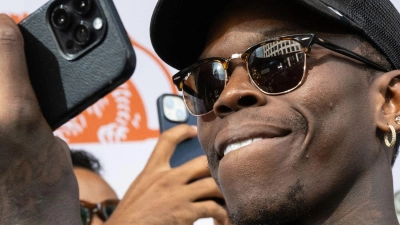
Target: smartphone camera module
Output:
[(174, 109), (61, 17), (82, 6), (180, 115), (82, 34), (77, 25)]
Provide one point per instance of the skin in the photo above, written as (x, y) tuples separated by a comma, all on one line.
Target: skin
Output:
[(38, 183), (165, 195), (322, 159), (93, 189), (147, 193)]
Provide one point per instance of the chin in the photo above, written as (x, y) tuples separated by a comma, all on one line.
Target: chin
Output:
[(284, 215), (276, 209)]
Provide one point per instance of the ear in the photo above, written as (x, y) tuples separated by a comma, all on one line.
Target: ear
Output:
[(388, 107)]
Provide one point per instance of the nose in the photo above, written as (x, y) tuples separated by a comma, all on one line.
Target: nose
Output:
[(239, 93)]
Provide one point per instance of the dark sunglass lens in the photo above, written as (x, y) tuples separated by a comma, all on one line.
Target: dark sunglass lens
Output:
[(108, 210), (202, 87), (277, 66), (85, 216)]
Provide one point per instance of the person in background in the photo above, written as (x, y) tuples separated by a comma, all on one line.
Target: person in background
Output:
[(97, 198)]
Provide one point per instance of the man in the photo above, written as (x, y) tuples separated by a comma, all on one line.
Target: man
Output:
[(297, 129), (38, 185)]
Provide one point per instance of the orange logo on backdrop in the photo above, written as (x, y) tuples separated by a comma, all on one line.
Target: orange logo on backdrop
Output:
[(119, 116)]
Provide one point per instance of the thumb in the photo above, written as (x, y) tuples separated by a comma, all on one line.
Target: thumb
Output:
[(167, 143), (16, 91)]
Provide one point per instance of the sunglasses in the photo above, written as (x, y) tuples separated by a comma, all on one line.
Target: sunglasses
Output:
[(103, 210), (276, 66)]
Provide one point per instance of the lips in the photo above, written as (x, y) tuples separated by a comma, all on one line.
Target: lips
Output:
[(229, 140)]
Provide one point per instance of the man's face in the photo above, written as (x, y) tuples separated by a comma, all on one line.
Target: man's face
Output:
[(304, 149)]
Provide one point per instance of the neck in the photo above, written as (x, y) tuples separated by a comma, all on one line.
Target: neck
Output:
[(369, 201)]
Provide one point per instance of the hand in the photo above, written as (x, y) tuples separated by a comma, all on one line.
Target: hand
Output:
[(37, 181), (163, 195), (225, 222)]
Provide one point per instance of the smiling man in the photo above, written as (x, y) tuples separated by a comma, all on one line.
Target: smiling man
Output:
[(298, 103)]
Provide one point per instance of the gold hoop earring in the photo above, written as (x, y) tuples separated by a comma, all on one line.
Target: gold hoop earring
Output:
[(393, 141)]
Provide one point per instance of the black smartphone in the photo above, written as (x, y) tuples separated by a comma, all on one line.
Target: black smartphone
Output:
[(171, 112), (77, 51)]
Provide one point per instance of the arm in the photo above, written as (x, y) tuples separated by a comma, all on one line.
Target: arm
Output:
[(163, 195), (37, 182)]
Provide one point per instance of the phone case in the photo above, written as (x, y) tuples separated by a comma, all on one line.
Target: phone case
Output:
[(64, 87), (186, 150)]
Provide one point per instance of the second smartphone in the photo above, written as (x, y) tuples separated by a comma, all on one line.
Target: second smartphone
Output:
[(77, 51), (171, 112)]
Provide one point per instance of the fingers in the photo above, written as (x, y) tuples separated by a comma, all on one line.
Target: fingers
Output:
[(36, 165), (16, 91), (204, 188), (210, 208), (186, 201), (12, 59), (20, 114), (10, 36), (158, 165), (165, 194), (225, 222), (194, 169), (167, 144), (64, 146)]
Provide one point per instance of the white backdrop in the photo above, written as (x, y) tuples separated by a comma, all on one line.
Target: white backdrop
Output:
[(124, 141)]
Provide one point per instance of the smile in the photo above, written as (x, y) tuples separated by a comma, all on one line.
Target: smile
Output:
[(237, 145)]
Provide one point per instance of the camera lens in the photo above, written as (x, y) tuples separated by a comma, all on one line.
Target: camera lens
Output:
[(180, 115), (82, 34), (169, 102), (82, 6), (61, 17)]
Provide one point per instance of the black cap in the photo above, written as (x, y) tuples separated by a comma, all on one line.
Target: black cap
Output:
[(178, 29)]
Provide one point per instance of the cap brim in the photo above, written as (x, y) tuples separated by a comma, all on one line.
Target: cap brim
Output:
[(179, 28)]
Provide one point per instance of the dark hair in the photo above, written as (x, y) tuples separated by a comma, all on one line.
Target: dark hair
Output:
[(84, 159)]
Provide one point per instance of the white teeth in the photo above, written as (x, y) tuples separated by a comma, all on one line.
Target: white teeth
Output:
[(235, 146)]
